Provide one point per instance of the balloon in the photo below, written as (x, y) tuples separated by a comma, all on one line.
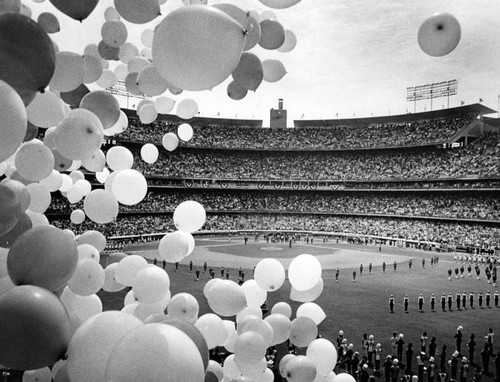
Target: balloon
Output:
[(248, 311), (282, 365), (235, 12), (143, 103), (81, 307), (93, 343), (74, 195), (212, 328), (272, 34), (185, 132), (279, 4), (95, 162), (249, 72), (189, 216), (94, 238), (268, 15), (303, 331), (215, 368), (150, 284), (34, 328), (170, 141), (104, 105), (255, 295), (87, 279), (175, 356), (13, 117), (39, 375), (10, 207), (194, 334), (344, 377), (324, 355), (110, 284), (151, 82), (148, 114), (74, 97), (46, 110), (250, 347), (149, 153), (102, 175), (147, 53), (119, 158), (307, 295), (128, 268), (76, 176), (175, 246), (10, 6), (290, 42), (93, 69), (253, 32), (256, 324), (119, 127), (164, 105), (121, 71), (114, 33), (88, 252), (69, 72), (226, 298), (43, 256), (269, 274), (48, 22), (236, 91), (174, 90), (34, 161), (183, 306), (77, 216), (273, 70), (107, 79), (311, 310), (304, 272), (31, 132), (187, 108), (76, 9), (300, 369), (111, 14), (30, 66), (39, 197), (79, 134), (282, 327), (282, 308), (127, 52), (138, 11), (197, 47), (101, 206), (22, 193), (439, 34), (23, 224), (108, 52)]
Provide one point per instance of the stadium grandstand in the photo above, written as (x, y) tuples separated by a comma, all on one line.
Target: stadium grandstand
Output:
[(429, 180)]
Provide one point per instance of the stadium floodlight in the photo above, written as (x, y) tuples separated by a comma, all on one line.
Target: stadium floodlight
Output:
[(431, 91)]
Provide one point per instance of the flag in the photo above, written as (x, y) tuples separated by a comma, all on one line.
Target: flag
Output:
[(480, 100), (462, 103)]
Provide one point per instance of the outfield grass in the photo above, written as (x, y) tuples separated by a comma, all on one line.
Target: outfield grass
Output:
[(354, 307)]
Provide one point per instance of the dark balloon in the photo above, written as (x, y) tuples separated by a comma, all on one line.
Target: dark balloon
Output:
[(108, 52), (31, 132), (27, 57), (76, 9), (34, 328), (74, 97), (10, 209), (23, 224)]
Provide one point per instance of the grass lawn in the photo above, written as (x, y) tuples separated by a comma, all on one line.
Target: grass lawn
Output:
[(354, 307)]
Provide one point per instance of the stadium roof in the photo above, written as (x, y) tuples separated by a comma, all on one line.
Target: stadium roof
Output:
[(476, 108), (202, 121), (495, 122)]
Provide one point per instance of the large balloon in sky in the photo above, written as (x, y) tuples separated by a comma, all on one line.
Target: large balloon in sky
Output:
[(274, 70), (439, 34), (138, 11), (279, 4), (27, 56), (189, 216), (34, 328), (249, 72), (197, 47), (104, 105), (76, 9), (43, 256), (272, 34), (13, 120)]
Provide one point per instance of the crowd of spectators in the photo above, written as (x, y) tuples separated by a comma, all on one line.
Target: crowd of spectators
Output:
[(479, 159), (452, 233), (305, 138), (476, 206)]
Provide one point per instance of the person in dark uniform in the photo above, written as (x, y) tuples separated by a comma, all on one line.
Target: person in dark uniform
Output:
[(462, 270), (370, 268), (454, 366), (361, 270), (442, 359), (406, 302), (487, 298), (391, 303), (471, 345), (410, 262), (464, 369), (432, 347), (423, 263), (354, 275), (395, 266), (458, 299), (485, 358), (164, 263), (464, 300), (480, 299), (420, 302), (384, 265), (458, 339), (496, 298), (433, 302), (400, 344), (409, 359), (197, 274), (155, 261), (449, 273), (478, 271), (471, 300), (431, 370), (337, 274), (443, 301), (395, 371), (221, 272), (469, 270), (176, 266), (191, 266), (204, 267), (450, 301), (387, 368), (456, 272), (497, 367)]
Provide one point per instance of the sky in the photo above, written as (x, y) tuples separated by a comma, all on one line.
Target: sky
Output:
[(352, 58)]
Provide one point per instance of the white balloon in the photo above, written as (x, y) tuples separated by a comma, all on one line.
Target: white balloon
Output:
[(185, 132)]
